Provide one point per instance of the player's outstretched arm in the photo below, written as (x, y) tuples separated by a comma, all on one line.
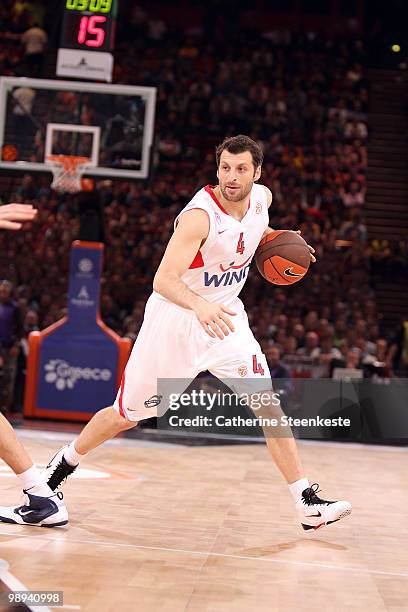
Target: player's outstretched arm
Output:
[(12, 216), (189, 235)]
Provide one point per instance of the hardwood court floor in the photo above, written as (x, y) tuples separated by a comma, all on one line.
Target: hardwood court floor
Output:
[(212, 529)]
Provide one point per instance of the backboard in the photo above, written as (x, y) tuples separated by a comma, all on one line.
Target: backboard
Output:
[(111, 124)]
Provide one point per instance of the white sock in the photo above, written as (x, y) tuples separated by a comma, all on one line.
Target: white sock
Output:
[(71, 455), (33, 480), (297, 488)]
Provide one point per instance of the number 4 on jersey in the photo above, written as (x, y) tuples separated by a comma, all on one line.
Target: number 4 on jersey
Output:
[(258, 369), (240, 245)]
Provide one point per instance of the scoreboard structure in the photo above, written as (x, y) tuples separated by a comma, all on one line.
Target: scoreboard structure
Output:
[(87, 39)]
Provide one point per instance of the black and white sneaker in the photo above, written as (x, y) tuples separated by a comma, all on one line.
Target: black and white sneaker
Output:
[(58, 470), (315, 512), (38, 511)]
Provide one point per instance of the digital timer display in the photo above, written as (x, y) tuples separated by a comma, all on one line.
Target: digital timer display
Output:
[(89, 25), (93, 6), (87, 32)]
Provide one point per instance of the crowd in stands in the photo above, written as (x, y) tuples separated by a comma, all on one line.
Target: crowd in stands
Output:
[(305, 100), (23, 40)]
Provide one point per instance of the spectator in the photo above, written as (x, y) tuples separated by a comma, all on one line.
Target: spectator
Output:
[(380, 361), (352, 194), (311, 344), (290, 346), (30, 324), (22, 122), (325, 354), (353, 359), (35, 40), (299, 334), (279, 373), (348, 367), (399, 348)]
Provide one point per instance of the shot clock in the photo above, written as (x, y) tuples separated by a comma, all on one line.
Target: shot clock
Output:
[(89, 24), (87, 39)]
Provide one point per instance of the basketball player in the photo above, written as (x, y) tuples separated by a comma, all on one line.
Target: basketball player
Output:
[(43, 506), (194, 321)]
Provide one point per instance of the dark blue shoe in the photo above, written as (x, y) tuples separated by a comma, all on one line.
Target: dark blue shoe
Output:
[(39, 511)]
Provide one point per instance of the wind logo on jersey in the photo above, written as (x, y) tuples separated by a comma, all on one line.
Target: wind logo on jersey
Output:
[(229, 277), (258, 208)]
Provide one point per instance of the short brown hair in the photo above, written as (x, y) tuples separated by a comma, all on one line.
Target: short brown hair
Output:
[(240, 144)]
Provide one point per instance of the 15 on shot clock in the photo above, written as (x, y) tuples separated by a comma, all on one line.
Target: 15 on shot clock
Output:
[(87, 39), (89, 24)]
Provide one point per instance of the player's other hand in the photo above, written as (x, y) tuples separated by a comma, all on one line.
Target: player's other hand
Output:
[(12, 216), (311, 249), (214, 320)]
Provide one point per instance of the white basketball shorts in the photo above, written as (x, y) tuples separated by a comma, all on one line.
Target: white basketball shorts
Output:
[(172, 344)]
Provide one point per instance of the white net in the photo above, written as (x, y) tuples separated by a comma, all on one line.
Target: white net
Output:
[(67, 171)]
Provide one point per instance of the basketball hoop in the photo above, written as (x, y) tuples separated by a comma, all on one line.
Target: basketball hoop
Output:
[(67, 171)]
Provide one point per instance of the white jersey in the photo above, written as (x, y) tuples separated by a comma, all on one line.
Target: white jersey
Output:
[(220, 268)]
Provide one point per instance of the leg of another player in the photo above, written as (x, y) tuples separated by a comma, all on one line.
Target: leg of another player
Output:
[(104, 425), (11, 449)]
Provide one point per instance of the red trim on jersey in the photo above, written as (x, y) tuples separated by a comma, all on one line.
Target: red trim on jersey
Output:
[(209, 190), (122, 388), (235, 267), (197, 262)]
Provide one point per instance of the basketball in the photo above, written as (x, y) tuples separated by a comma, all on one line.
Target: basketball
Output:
[(283, 257)]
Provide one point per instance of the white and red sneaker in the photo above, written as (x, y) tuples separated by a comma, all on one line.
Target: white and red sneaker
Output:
[(315, 512)]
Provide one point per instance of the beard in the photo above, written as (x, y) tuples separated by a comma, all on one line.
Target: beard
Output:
[(236, 195)]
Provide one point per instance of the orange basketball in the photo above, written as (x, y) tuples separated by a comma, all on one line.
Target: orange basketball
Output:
[(10, 152), (282, 257)]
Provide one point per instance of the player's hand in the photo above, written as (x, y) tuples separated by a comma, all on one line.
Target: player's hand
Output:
[(311, 249), (12, 216), (214, 320)]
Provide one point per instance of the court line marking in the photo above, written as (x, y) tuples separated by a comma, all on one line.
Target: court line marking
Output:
[(341, 568), (15, 585)]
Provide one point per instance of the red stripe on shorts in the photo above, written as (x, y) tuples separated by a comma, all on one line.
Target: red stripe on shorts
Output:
[(122, 388)]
